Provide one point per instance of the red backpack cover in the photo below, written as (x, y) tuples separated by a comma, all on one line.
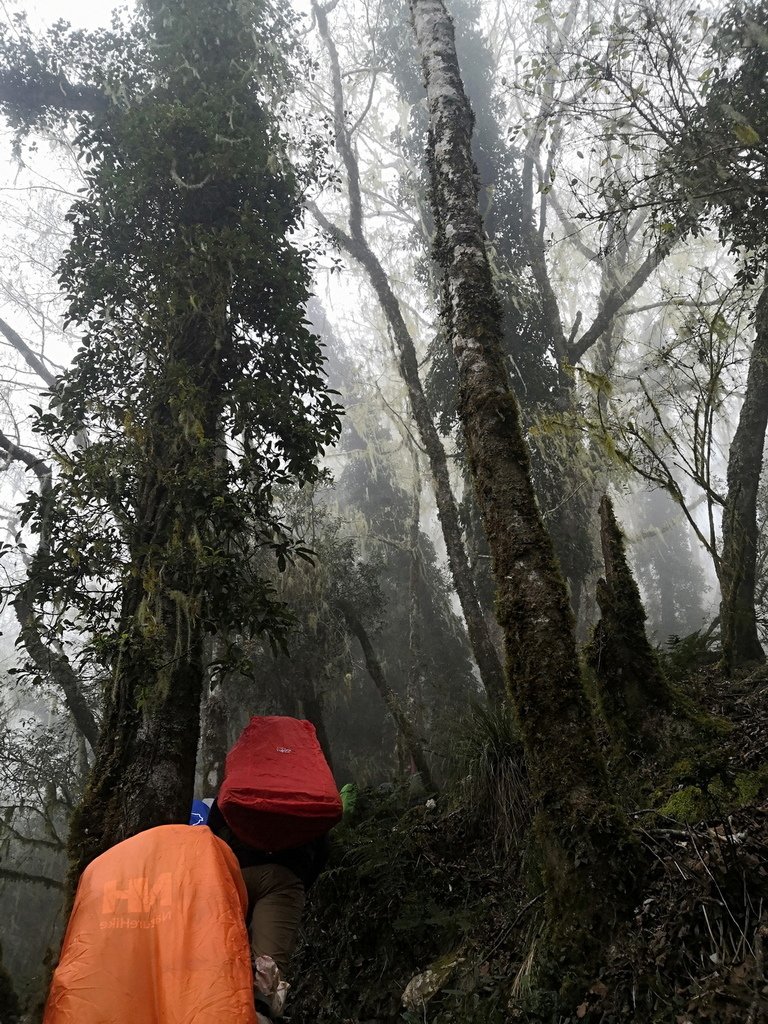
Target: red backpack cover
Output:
[(278, 791)]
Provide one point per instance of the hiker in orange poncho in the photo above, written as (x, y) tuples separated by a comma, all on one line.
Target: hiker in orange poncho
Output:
[(157, 936)]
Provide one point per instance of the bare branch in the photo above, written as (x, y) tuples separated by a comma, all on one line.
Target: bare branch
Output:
[(30, 357), (618, 296), (53, 663), (38, 466), (49, 92), (26, 876)]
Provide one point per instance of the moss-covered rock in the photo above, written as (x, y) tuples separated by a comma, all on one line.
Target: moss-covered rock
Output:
[(717, 796), (752, 786), (689, 804)]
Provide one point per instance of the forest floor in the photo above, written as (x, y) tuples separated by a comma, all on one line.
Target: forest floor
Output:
[(445, 906)]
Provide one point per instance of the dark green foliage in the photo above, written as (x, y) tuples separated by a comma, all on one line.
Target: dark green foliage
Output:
[(683, 655), (407, 888), (724, 150), (188, 296), (712, 167), (198, 386)]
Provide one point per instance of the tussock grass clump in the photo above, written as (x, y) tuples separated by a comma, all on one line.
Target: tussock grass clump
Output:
[(492, 780)]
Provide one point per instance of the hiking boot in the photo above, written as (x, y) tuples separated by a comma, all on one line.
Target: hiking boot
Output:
[(269, 990)]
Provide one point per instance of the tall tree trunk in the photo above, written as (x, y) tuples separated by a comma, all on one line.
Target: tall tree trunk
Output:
[(214, 736), (312, 707), (356, 244), (144, 770), (745, 461), (585, 841), (411, 742)]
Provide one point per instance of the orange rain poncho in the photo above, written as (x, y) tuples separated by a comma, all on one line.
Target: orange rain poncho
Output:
[(157, 936)]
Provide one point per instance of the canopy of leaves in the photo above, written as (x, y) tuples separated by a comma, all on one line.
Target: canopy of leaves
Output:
[(189, 297), (721, 158)]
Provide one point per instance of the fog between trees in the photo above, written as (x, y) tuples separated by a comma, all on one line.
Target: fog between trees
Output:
[(285, 431)]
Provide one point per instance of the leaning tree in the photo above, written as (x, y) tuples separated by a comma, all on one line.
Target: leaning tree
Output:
[(724, 142)]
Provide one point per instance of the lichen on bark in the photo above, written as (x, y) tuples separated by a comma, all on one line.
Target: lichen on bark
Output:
[(738, 622)]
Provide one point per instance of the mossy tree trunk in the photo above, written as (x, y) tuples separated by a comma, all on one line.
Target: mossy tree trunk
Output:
[(143, 774), (588, 856), (630, 681), (738, 624)]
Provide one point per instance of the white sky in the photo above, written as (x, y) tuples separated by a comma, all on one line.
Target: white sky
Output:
[(84, 13), (80, 13)]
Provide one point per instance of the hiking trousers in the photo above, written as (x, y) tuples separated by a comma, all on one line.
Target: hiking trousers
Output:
[(276, 899)]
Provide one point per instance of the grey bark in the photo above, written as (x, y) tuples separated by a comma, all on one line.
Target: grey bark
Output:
[(50, 662), (741, 644), (620, 295), (32, 359)]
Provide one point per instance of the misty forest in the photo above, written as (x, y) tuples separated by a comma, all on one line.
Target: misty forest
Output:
[(401, 366)]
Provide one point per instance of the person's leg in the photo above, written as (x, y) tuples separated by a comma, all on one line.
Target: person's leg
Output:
[(276, 897)]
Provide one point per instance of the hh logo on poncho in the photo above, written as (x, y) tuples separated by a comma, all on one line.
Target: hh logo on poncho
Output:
[(136, 899)]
